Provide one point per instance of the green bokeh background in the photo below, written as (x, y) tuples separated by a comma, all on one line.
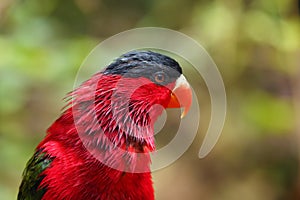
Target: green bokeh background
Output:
[(255, 44)]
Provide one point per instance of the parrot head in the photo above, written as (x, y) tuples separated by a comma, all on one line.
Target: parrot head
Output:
[(126, 98), (152, 78)]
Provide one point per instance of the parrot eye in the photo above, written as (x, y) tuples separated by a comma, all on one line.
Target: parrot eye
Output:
[(160, 77)]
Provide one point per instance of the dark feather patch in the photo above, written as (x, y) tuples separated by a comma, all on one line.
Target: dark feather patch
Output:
[(144, 64), (32, 177)]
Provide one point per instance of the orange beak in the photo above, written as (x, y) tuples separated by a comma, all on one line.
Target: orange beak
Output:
[(181, 96)]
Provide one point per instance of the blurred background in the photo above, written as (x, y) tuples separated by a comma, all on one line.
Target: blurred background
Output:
[(255, 44)]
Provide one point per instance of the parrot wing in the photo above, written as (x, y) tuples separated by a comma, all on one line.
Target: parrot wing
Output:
[(32, 177)]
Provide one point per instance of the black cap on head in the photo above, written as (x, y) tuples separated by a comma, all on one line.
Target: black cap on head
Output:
[(144, 64), (132, 59)]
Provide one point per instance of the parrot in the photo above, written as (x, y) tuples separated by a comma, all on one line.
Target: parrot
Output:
[(100, 146)]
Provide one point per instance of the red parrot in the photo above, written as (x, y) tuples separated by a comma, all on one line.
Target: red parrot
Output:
[(99, 147)]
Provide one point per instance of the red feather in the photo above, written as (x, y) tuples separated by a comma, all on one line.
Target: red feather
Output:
[(106, 109)]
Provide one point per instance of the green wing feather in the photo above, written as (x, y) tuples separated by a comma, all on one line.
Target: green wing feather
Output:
[(29, 188)]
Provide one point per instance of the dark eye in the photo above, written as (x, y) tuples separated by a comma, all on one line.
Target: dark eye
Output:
[(159, 77)]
